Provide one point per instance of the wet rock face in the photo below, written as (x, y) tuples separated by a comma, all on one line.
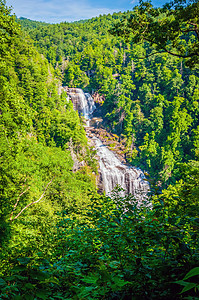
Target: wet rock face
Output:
[(112, 141), (95, 122)]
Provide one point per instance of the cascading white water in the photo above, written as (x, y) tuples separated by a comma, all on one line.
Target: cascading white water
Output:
[(91, 104), (113, 171), (82, 102)]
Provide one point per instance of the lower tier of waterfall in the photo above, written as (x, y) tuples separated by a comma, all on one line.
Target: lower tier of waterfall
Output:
[(114, 173)]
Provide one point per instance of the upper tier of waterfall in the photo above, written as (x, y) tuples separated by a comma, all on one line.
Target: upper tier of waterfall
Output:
[(82, 102)]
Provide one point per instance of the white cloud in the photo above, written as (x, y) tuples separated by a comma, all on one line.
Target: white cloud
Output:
[(55, 11), (134, 2)]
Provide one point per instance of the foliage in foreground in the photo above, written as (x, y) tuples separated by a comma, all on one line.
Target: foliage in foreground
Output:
[(114, 250)]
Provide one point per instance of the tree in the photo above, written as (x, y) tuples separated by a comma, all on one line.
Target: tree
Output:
[(9, 29), (173, 29)]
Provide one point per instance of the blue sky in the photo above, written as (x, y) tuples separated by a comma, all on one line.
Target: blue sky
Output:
[(56, 11)]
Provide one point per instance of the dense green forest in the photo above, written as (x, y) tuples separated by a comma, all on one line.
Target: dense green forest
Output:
[(30, 24), (153, 102), (59, 238)]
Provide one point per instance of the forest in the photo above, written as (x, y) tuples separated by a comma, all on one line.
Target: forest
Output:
[(59, 237)]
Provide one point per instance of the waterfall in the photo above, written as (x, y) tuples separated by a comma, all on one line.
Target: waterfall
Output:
[(113, 171), (82, 102)]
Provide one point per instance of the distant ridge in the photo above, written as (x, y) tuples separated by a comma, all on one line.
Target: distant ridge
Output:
[(30, 24)]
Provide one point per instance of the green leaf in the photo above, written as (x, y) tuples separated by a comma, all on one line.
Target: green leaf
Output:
[(17, 297), (120, 282), (2, 282), (24, 260), (193, 272), (91, 279), (188, 287), (29, 297), (51, 280), (29, 286), (42, 294), (181, 282), (19, 269), (86, 291), (37, 274)]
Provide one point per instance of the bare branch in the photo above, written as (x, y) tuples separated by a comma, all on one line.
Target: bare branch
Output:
[(180, 55), (34, 201), (187, 30), (151, 54), (170, 52), (15, 206), (195, 28), (194, 24)]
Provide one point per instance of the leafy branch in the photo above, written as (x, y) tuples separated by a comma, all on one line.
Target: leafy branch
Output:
[(166, 30)]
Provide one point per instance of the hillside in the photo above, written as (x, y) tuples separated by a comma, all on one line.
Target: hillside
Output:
[(28, 24)]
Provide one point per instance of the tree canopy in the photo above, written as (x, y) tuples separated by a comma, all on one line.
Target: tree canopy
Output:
[(173, 29)]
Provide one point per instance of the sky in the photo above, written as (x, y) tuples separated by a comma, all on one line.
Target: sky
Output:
[(56, 11)]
